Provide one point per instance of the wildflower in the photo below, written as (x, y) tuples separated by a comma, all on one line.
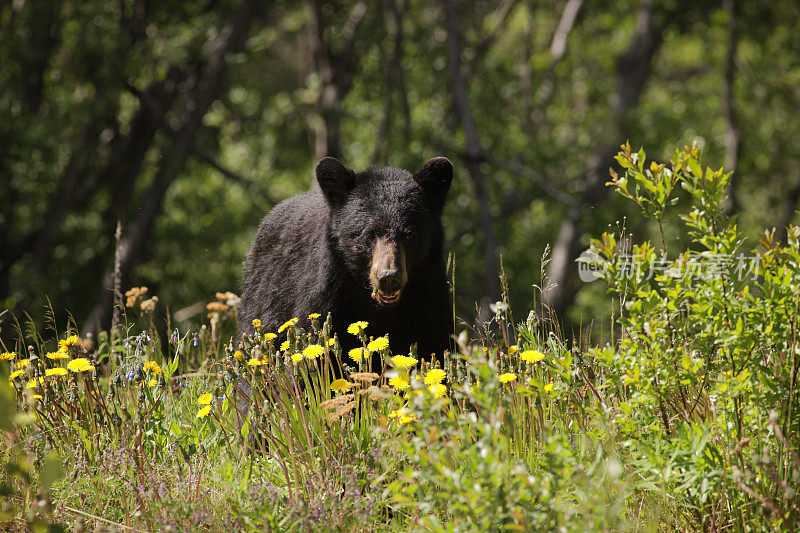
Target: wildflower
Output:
[(399, 383), (205, 399), (403, 361), (202, 413), (312, 351), (55, 372), (238, 355), (152, 383), (438, 390), (548, 387), (434, 376), (269, 336), (364, 377), (60, 354), (152, 366), (285, 345), (134, 295), (531, 356), (81, 364), (507, 377), (22, 363), (312, 316), (256, 323), (289, 323), (379, 344), (36, 396), (357, 327), (254, 362), (69, 342), (32, 383), (7, 356), (356, 354), (217, 307), (297, 357), (14, 375), (397, 413), (331, 342), (340, 385), (407, 419), (148, 306), (512, 349)]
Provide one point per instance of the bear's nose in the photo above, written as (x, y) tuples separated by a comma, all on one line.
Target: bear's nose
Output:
[(389, 281)]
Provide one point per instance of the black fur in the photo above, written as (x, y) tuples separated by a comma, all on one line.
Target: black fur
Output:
[(313, 253)]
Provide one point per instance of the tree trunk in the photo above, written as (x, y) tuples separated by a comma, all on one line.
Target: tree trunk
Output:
[(633, 70), (230, 39)]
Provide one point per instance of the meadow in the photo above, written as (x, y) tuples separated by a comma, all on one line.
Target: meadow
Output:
[(685, 419)]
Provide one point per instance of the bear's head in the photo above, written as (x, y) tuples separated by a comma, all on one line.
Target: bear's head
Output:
[(385, 223)]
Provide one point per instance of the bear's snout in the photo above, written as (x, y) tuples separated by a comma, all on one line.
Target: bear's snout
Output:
[(388, 271)]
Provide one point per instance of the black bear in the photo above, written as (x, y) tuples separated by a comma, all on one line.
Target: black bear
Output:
[(364, 246)]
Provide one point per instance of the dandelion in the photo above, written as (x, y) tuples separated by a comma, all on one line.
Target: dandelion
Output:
[(312, 351), (403, 361), (399, 383), (512, 349), (313, 316), (378, 345), (356, 354), (340, 385), (81, 364), (32, 383), (152, 383), (285, 345), (55, 372), (434, 376), (531, 356), (202, 413), (7, 356), (60, 354), (507, 377), (269, 336), (36, 396), (397, 413), (297, 357), (22, 363), (14, 375), (407, 419), (69, 342), (331, 342), (549, 387), (256, 323), (254, 362), (152, 366), (238, 355), (205, 399), (289, 323), (438, 390), (357, 327)]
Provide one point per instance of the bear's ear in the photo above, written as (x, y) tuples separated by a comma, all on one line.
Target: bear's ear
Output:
[(436, 175), (334, 179)]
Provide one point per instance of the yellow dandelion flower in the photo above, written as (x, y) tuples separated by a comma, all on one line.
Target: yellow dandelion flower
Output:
[(331, 342), (312, 351), (70, 341), (205, 399), (256, 323), (531, 356), (7, 356), (285, 346), (356, 354), (152, 383), (399, 383), (202, 413), (60, 354), (22, 363), (55, 372), (297, 357), (403, 361), (357, 327), (269, 336), (152, 366), (81, 364), (289, 323), (512, 349), (407, 419), (341, 384), (254, 362), (548, 387), (438, 390), (36, 396), (14, 375), (312, 316), (434, 376), (507, 377), (398, 412), (32, 383), (238, 355), (378, 345)]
